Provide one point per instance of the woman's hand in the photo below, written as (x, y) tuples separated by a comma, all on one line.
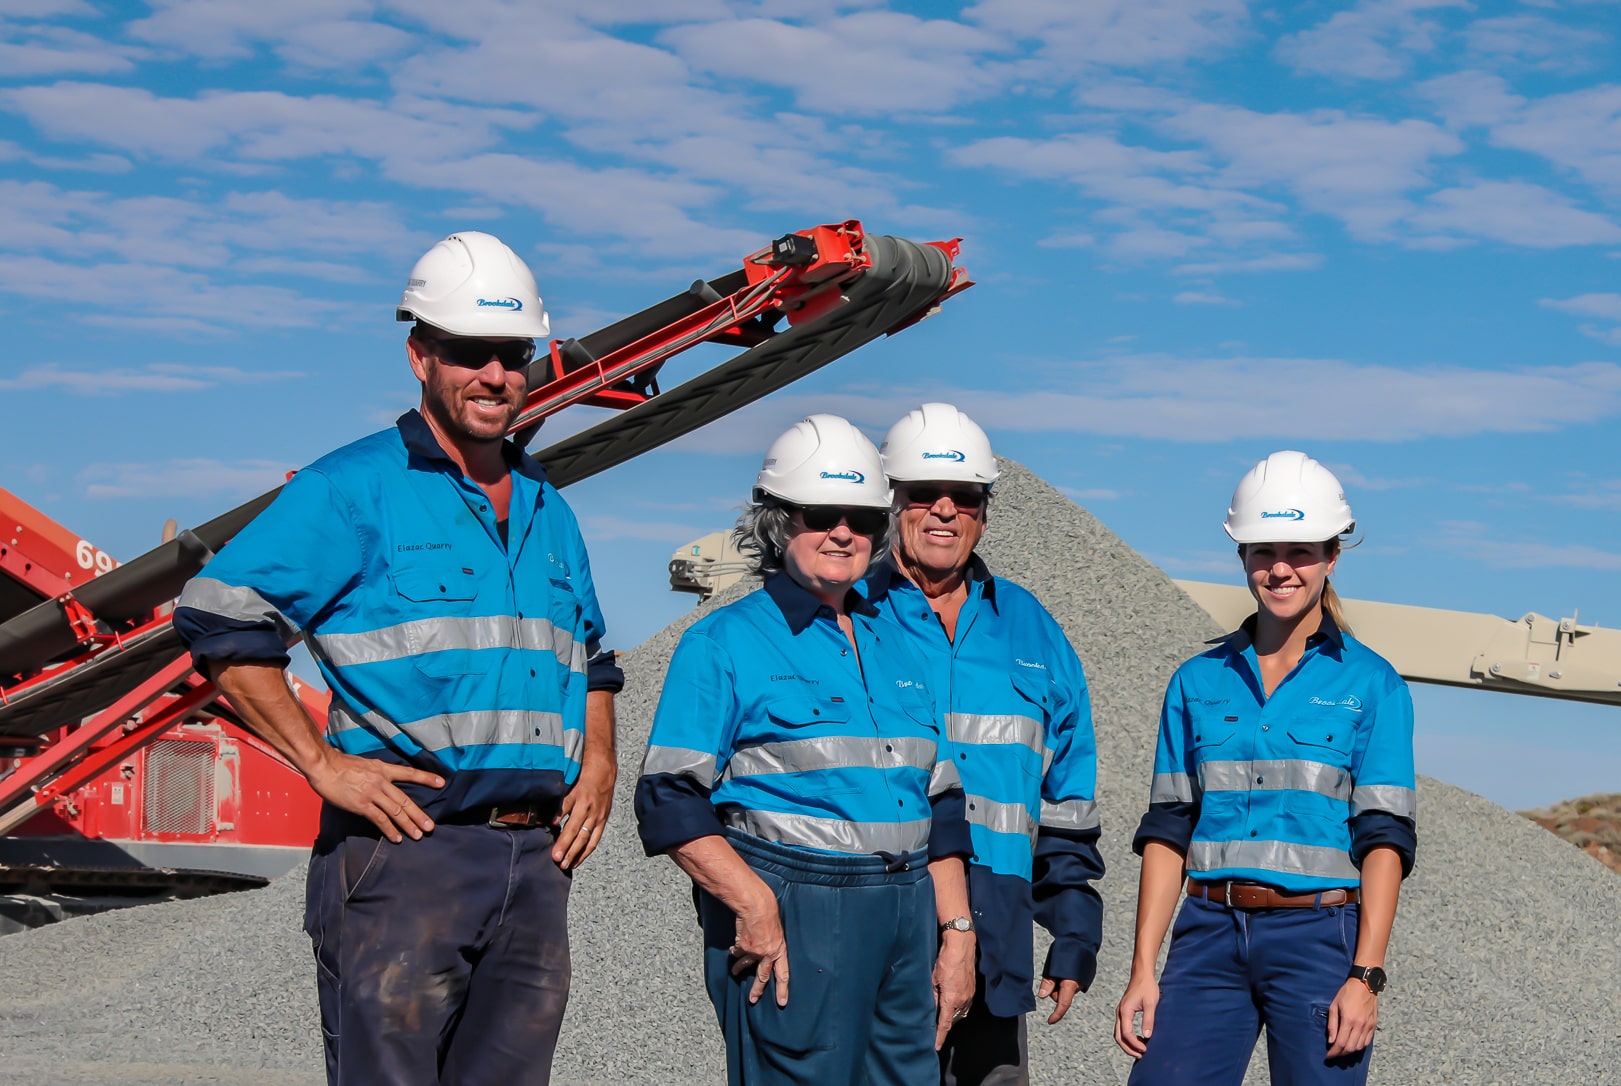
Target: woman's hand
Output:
[(760, 945), (1142, 996), (953, 982), (1352, 1018)]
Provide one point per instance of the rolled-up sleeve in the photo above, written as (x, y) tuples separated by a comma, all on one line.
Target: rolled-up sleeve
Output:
[(1066, 861), (686, 751), (274, 578), (1173, 800), (1384, 795)]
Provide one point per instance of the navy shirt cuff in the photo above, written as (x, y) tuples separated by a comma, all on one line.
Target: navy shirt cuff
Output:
[(1369, 831), (602, 672), (210, 637), (1072, 959), (1170, 823), (672, 810), (948, 826)]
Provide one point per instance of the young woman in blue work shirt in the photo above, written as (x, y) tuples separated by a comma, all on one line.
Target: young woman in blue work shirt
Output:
[(797, 773), (1284, 790)]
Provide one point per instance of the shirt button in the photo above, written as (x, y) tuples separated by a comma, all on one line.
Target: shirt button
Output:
[(970, 806), (531, 673), (1252, 833), (1266, 727), (816, 712), (889, 748), (520, 616), (964, 757), (483, 509), (844, 652), (1197, 737), (900, 803), (1260, 780)]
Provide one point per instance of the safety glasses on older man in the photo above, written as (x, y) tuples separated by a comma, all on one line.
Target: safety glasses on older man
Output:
[(475, 354), (924, 496), (824, 518)]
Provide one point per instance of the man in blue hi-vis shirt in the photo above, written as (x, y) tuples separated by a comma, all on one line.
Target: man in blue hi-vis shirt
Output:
[(442, 586), (1019, 721)]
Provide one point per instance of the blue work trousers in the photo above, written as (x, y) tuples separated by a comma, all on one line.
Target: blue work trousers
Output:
[(443, 960), (861, 937), (1229, 972)]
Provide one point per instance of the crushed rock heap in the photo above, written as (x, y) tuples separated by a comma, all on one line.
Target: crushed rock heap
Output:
[(1504, 958)]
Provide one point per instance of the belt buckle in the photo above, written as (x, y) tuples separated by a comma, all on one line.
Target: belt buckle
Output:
[(1227, 892)]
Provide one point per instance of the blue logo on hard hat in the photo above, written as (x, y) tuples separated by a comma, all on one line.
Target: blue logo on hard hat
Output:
[(511, 304), (1284, 514), (950, 454), (846, 476)]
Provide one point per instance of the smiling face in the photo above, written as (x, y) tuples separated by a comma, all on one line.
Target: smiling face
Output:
[(462, 402), (826, 563), (935, 535), (1287, 579)]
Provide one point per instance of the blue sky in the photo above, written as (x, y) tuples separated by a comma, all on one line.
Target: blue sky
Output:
[(1385, 232)]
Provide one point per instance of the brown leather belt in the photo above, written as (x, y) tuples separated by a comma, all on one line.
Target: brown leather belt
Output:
[(1247, 895), (520, 816)]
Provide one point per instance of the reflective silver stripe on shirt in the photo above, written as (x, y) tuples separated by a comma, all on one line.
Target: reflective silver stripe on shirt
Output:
[(480, 727), (832, 834), (681, 762), (1001, 817), (1284, 857), (944, 778), (1072, 814), (977, 729), (233, 602), (1389, 798), (425, 635), (1291, 774), (831, 752), (1173, 788)]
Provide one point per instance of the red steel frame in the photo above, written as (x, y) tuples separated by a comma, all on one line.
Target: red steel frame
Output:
[(800, 290)]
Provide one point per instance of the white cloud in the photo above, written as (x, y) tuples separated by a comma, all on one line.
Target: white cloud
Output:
[(1533, 554), (312, 33), (1092, 494), (1513, 212), (1604, 306), (1533, 40), (151, 378), (1579, 132), (1600, 494), (1470, 98), (1376, 39), (1274, 262), (38, 50), (1199, 297), (872, 62), (1118, 33), (181, 478)]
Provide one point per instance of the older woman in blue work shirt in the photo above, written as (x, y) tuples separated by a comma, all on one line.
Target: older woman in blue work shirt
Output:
[(797, 773), (1283, 786)]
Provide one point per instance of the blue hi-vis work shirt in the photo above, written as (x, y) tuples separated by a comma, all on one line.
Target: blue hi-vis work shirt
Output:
[(1019, 720), (1291, 790), (770, 724), (444, 648)]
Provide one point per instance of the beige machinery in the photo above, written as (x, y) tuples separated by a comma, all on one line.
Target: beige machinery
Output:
[(707, 565), (1535, 655)]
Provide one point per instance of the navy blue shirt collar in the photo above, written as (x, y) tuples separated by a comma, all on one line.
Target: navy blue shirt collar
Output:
[(419, 441), (800, 608), (886, 574), (1243, 637)]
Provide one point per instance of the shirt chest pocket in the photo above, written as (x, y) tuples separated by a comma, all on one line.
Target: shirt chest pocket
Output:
[(1036, 702), (437, 632), (1213, 739), (800, 714), (1329, 740)]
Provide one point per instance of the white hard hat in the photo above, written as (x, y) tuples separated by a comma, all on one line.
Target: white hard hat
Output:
[(938, 443), (824, 460), (471, 284), (1288, 498)]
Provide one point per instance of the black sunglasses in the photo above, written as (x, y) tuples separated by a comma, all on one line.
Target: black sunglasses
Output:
[(475, 354), (824, 518), (965, 499)]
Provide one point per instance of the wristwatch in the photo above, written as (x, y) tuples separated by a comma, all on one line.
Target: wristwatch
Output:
[(957, 923), (1371, 975)]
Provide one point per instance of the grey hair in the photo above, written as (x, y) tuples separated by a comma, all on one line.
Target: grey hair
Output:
[(763, 529)]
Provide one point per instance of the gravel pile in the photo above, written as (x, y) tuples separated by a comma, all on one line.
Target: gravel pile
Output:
[(1505, 963)]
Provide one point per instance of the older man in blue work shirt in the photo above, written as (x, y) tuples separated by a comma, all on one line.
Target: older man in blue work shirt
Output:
[(443, 588), (1020, 724)]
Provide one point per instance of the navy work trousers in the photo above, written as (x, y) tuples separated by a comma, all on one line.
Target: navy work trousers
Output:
[(985, 1049), (861, 940), (1232, 970), (443, 960)]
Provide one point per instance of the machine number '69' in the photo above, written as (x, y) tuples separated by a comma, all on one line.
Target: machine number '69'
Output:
[(92, 557)]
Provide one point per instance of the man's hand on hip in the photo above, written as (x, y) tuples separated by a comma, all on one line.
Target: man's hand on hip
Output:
[(368, 787)]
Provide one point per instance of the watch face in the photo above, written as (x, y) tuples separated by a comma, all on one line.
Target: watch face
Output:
[(1376, 980)]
